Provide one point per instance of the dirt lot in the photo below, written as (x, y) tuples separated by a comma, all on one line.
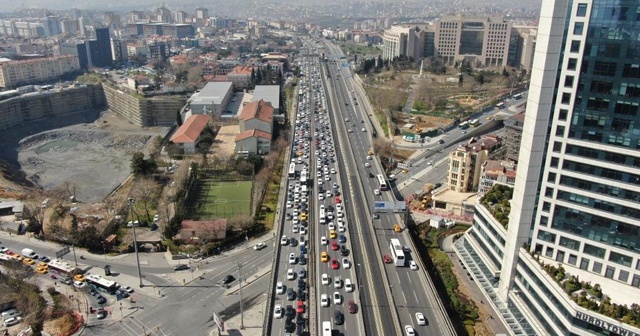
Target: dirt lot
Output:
[(92, 155), (225, 142)]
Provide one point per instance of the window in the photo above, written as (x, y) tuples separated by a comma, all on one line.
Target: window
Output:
[(572, 259), (578, 27), (563, 114), (623, 275), (584, 264), (620, 259), (551, 178), (582, 10), (609, 272), (638, 265), (554, 162), (568, 81), (560, 131), (560, 256), (544, 220), (546, 206), (557, 147), (549, 252), (597, 267), (575, 46), (636, 281), (593, 250), (566, 98), (572, 64)]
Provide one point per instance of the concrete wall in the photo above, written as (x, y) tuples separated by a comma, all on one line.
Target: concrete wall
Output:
[(155, 111), (42, 106)]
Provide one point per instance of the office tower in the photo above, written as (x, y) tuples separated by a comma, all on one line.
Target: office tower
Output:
[(577, 189), (52, 25), (202, 13), (82, 22), (163, 14), (100, 48)]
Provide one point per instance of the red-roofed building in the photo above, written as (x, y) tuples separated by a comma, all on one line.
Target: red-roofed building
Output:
[(194, 232), (240, 76), (258, 115), (253, 142), (497, 172), (188, 135)]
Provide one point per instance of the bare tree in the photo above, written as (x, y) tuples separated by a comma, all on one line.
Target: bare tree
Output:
[(146, 192), (240, 223)]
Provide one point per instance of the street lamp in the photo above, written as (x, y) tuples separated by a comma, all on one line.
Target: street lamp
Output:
[(130, 202), (240, 291)]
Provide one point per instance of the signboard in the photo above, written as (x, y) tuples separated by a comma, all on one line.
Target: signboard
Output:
[(62, 252), (611, 327), (397, 206)]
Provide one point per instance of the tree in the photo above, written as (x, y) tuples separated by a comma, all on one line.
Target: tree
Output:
[(178, 118), (259, 76), (244, 168), (141, 166), (146, 191)]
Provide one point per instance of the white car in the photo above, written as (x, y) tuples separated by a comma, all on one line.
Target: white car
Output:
[(409, 331), (337, 298), (348, 286), (259, 246), (291, 275), (333, 170), (295, 229), (337, 283), (320, 197), (339, 207), (346, 263), (369, 157), (420, 319), (292, 258), (328, 193), (323, 240), (331, 226), (303, 230), (413, 265), (326, 280), (289, 204), (364, 129), (376, 191), (278, 312), (321, 207), (79, 284), (341, 227), (324, 300), (284, 240), (367, 164)]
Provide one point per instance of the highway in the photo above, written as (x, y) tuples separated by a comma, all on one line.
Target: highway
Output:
[(409, 294)]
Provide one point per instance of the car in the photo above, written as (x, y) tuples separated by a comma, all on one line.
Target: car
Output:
[(364, 129), (331, 226), (342, 239), (284, 241), (10, 321), (420, 319), (291, 274), (302, 284), (127, 289), (293, 242), (302, 273), (353, 308), (279, 287), (369, 157), (300, 307), (101, 314), (303, 230), (44, 259), (335, 246), (326, 280), (324, 256), (409, 331), (181, 267), (337, 298), (334, 264), (303, 249), (387, 259), (338, 318), (291, 294), (93, 292), (397, 228), (324, 300), (337, 282), (303, 260), (41, 270), (79, 284), (346, 264), (289, 311), (348, 286), (367, 165), (323, 240), (376, 216), (28, 261), (278, 311), (292, 258), (371, 175), (413, 265), (101, 299), (228, 279), (66, 281), (3, 249), (301, 294), (376, 191), (333, 234), (430, 163), (341, 226), (344, 251), (335, 185), (259, 246)]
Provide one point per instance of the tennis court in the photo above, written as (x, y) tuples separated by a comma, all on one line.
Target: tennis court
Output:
[(212, 198)]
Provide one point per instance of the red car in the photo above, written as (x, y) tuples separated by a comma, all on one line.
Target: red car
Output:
[(9, 252), (353, 308), (386, 259), (335, 246), (300, 307), (335, 264), (338, 200)]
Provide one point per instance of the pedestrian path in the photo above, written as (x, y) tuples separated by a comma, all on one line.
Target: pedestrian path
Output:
[(249, 325)]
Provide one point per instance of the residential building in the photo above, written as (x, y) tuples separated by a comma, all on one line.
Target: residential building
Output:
[(34, 71), (268, 93), (253, 142), (257, 115), (465, 163), (496, 172), (212, 99), (482, 40), (240, 76), (188, 134), (194, 232), (403, 41), (158, 51), (573, 214), (179, 30), (513, 135), (118, 50)]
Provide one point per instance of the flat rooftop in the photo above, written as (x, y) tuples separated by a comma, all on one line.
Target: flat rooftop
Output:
[(212, 93), (268, 93)]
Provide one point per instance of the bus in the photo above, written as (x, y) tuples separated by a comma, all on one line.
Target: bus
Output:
[(500, 105), (518, 96), (326, 328), (292, 170), (61, 268), (101, 284), (396, 252), (474, 122), (464, 125), (382, 182)]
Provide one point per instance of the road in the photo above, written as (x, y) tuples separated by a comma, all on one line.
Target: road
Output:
[(406, 287)]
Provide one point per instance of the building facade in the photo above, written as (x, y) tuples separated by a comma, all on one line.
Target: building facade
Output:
[(403, 41), (38, 70), (513, 135), (465, 163), (577, 187)]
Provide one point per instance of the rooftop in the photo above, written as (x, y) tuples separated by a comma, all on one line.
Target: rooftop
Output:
[(191, 129), (498, 201), (268, 93), (253, 133), (212, 93), (260, 110)]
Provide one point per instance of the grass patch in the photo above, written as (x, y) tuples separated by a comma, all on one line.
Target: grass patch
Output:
[(214, 199), (420, 105), (364, 49), (270, 200)]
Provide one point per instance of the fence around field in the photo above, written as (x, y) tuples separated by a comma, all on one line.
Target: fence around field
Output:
[(210, 198)]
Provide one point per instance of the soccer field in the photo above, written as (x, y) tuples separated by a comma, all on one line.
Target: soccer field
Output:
[(219, 199)]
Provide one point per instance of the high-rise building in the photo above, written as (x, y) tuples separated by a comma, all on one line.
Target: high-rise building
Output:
[(100, 48), (567, 261), (202, 13), (403, 41), (51, 25), (163, 14), (118, 50)]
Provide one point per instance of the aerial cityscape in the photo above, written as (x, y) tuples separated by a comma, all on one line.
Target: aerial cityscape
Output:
[(320, 168)]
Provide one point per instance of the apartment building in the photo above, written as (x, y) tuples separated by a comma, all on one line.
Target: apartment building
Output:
[(33, 71), (496, 172), (465, 163), (567, 261)]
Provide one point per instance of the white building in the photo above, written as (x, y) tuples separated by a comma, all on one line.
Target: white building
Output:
[(212, 99)]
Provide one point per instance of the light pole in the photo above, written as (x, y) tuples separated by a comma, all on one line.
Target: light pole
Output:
[(240, 291), (130, 202)]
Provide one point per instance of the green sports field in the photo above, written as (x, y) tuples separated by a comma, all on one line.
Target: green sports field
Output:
[(219, 199)]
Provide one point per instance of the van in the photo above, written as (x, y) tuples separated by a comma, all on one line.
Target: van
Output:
[(10, 313), (29, 253)]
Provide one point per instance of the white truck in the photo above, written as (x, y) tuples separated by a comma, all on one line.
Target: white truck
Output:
[(29, 253)]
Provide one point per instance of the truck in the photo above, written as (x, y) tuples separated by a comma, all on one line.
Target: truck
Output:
[(29, 253)]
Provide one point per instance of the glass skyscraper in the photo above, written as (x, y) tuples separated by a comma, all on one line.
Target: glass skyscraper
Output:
[(576, 203)]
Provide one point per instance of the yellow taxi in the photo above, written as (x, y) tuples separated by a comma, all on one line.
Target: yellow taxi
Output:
[(78, 277), (19, 257), (303, 216), (324, 256), (41, 270), (28, 261), (397, 228), (43, 265), (404, 171), (370, 152), (332, 234)]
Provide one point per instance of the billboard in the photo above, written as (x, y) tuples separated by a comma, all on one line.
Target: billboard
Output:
[(395, 206)]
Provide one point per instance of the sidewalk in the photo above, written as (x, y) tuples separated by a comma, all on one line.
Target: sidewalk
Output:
[(253, 319)]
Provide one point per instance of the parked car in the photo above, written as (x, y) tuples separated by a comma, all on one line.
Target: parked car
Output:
[(181, 267)]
